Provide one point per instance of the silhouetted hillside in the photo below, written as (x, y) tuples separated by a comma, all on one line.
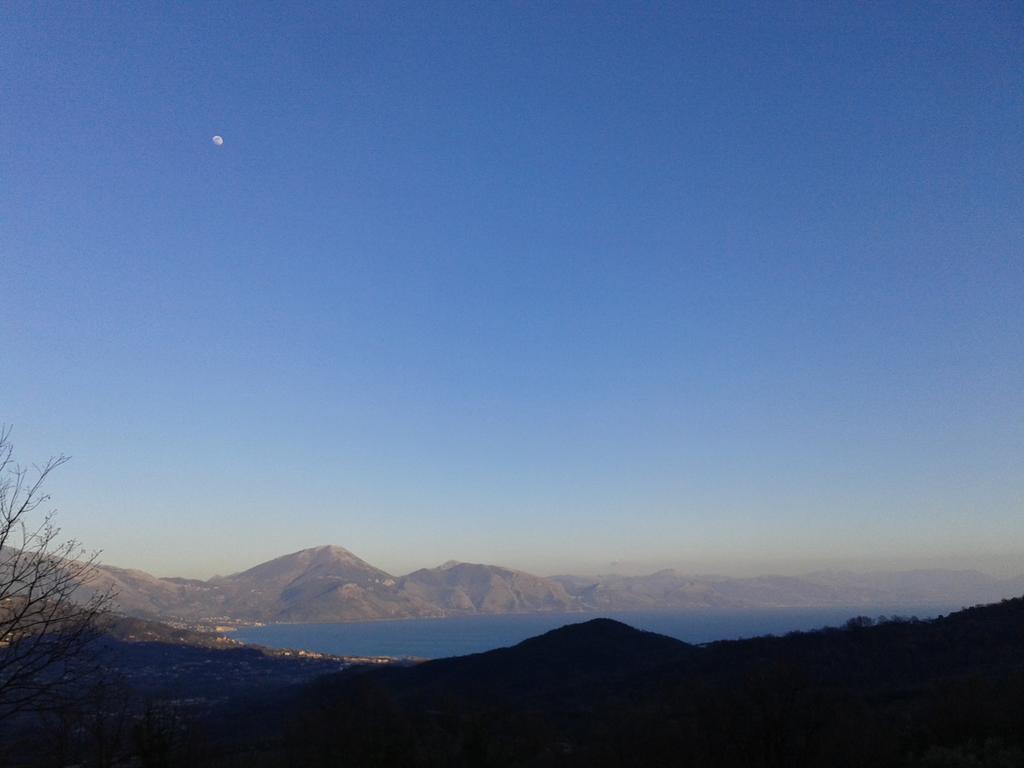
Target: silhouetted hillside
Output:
[(556, 664), (902, 692), (895, 692)]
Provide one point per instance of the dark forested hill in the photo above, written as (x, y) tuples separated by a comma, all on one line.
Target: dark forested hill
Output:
[(562, 664), (948, 692), (899, 692)]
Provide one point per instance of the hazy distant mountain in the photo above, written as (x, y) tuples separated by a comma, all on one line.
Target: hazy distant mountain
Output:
[(332, 584), (472, 588), (664, 589), (966, 587), (669, 589)]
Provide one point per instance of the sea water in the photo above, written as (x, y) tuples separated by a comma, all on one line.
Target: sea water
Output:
[(461, 635)]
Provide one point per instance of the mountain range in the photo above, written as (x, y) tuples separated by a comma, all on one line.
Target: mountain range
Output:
[(330, 584)]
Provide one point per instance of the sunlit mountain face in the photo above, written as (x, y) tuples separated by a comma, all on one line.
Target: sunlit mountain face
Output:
[(329, 583)]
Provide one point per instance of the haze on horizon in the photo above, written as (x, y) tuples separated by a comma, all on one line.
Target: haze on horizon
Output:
[(548, 287)]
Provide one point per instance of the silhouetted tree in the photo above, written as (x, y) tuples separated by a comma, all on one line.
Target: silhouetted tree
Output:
[(45, 629)]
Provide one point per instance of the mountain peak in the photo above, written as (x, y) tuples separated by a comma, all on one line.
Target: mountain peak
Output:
[(314, 562), (334, 552), (330, 550), (323, 553)]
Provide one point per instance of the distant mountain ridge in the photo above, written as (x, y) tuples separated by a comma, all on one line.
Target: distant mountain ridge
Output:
[(472, 588), (331, 584)]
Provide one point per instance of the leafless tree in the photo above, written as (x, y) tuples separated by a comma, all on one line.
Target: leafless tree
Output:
[(49, 612)]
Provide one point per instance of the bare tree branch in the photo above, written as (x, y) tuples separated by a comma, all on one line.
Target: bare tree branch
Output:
[(49, 616)]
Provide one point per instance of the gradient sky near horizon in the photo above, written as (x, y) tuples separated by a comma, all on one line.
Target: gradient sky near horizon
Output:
[(719, 286)]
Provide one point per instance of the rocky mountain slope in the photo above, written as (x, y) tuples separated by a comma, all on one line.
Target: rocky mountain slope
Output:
[(329, 584), (313, 584), (472, 588), (332, 584)]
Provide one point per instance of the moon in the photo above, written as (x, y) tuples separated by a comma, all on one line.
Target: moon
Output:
[(218, 140)]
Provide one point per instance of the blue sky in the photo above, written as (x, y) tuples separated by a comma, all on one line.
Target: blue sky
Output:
[(547, 285)]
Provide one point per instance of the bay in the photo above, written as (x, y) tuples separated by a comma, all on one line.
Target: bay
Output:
[(461, 635)]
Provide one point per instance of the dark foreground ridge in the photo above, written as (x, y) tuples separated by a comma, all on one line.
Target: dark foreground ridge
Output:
[(596, 652), (892, 692)]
